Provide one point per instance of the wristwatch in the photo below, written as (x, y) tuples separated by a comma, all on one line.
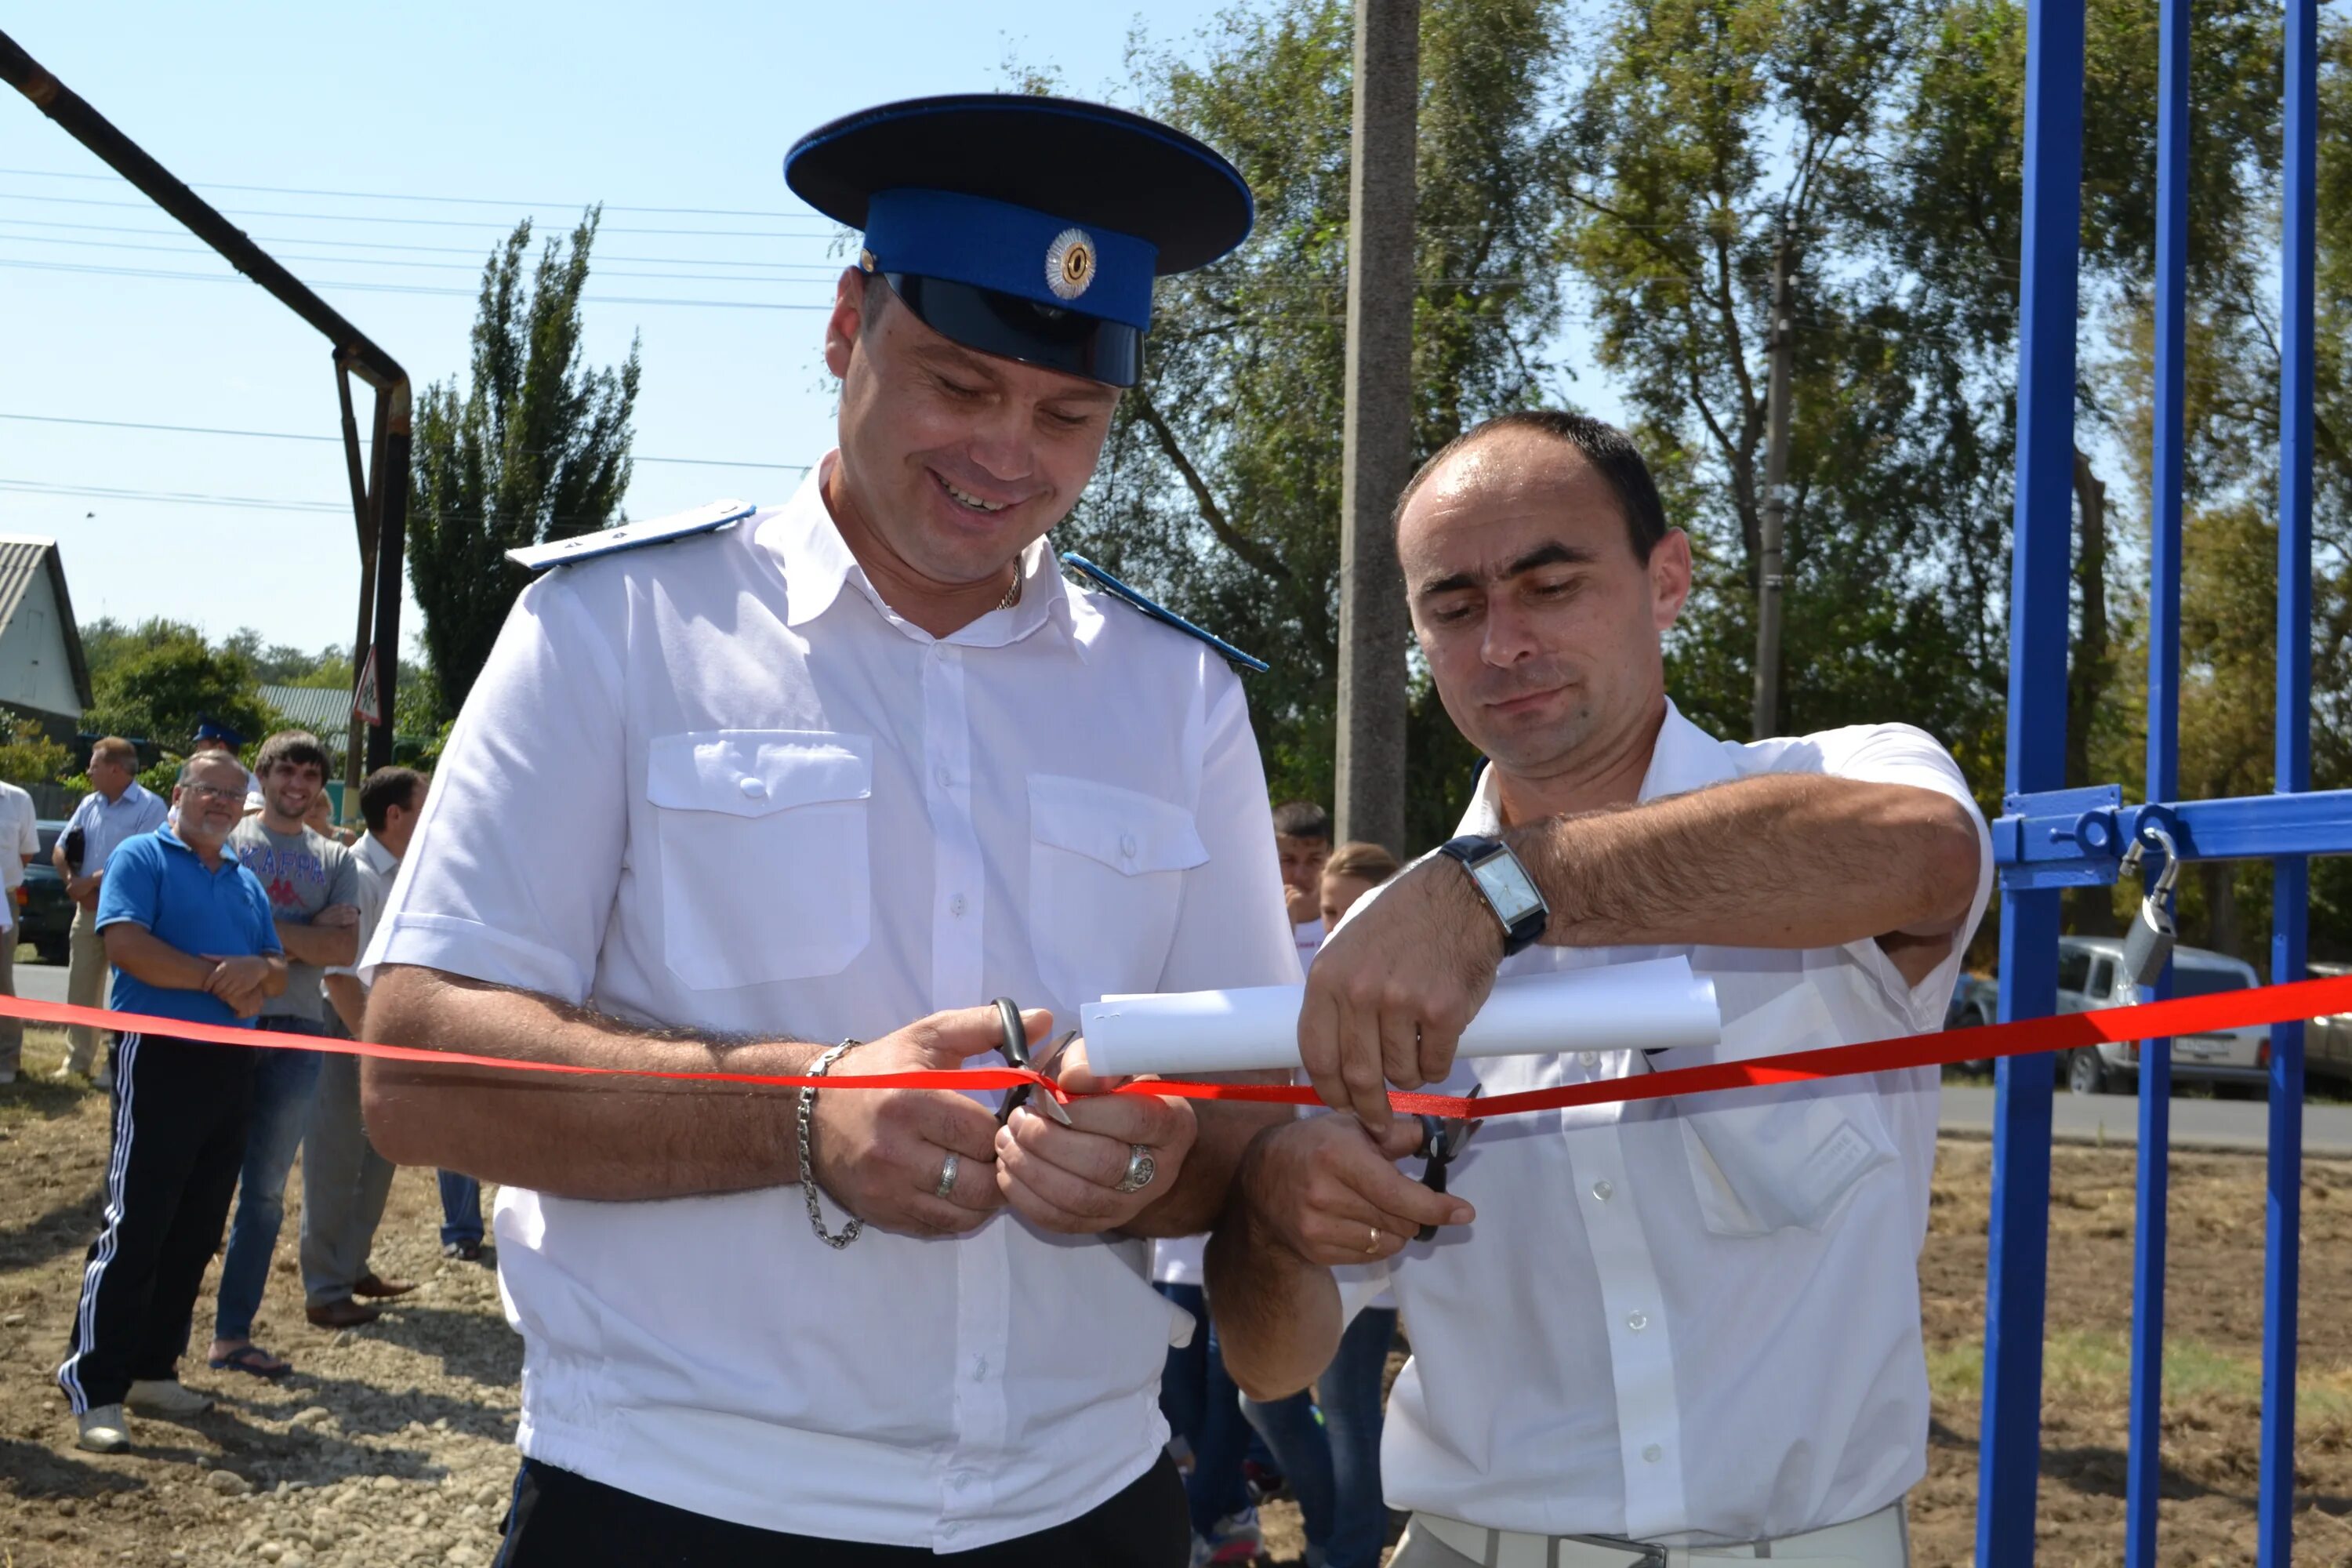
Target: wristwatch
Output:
[(1505, 886)]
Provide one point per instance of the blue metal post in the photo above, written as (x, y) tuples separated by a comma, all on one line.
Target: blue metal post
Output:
[(2010, 1457), (2144, 1465), (2282, 1261)]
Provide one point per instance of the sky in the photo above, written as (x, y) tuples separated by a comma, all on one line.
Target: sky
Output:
[(398, 146)]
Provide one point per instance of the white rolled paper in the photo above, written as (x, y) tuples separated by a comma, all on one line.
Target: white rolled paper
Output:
[(1653, 1004)]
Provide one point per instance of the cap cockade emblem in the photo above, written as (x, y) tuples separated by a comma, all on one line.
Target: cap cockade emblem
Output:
[(1070, 263)]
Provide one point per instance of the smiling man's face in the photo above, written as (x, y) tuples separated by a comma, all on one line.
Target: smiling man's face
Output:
[(1540, 624), (955, 460)]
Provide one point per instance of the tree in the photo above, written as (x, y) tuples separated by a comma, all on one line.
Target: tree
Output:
[(1220, 486), (28, 756), (539, 450), (171, 683)]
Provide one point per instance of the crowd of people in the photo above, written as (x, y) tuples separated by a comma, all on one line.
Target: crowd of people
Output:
[(234, 904)]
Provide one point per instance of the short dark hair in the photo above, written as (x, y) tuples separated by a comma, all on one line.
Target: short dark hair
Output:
[(1302, 819), (1606, 447), (299, 747), (385, 788)]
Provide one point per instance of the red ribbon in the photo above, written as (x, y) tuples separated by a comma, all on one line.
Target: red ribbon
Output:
[(2286, 1004)]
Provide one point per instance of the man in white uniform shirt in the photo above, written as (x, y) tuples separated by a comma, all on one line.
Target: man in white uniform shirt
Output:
[(846, 771), (20, 840), (1650, 1334), (117, 807)]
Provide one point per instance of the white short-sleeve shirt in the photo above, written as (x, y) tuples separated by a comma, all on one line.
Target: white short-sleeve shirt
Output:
[(1696, 1320), (719, 784)]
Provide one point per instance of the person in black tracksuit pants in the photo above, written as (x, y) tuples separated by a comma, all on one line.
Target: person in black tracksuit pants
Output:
[(189, 934)]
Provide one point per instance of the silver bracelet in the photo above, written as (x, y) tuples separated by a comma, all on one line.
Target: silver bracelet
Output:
[(848, 1233)]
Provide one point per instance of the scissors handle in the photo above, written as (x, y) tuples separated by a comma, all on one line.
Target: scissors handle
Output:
[(1434, 1178), (1014, 1047)]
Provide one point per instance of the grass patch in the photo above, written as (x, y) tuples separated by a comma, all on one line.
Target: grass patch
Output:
[(36, 1094), (2087, 1366)]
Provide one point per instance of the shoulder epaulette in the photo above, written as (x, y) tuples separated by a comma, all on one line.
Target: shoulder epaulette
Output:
[(630, 536), (1160, 613)]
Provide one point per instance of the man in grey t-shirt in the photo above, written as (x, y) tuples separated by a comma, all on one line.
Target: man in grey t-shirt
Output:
[(313, 886)]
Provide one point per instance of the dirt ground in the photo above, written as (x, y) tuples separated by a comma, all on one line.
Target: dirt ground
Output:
[(389, 1445)]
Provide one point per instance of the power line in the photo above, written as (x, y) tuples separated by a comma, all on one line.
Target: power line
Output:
[(829, 269), (300, 436), (419, 222), (194, 498), (388, 260), (396, 197), (400, 287)]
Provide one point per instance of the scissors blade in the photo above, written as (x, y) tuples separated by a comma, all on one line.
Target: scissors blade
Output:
[(1043, 1067)]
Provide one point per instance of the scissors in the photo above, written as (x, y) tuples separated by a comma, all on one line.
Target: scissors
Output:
[(1016, 1051), (1442, 1138)]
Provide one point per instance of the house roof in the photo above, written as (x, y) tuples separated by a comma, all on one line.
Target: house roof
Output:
[(22, 557), (324, 711)]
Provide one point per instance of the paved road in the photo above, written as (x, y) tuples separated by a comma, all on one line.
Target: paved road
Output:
[(2225, 1124), (41, 982)]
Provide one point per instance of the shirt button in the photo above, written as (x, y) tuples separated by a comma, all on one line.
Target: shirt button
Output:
[(945, 777), (1127, 844), (753, 788), (980, 1369), (1587, 1058), (1653, 1452), (1637, 1322), (956, 906), (1602, 1190)]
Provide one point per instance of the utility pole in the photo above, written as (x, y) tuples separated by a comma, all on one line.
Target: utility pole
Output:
[(1774, 527), (1378, 429)]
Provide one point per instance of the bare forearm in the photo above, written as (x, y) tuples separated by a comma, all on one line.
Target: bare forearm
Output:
[(144, 956), (1277, 1315), (578, 1136), (319, 945), (349, 998), (1788, 861), (1202, 1188)]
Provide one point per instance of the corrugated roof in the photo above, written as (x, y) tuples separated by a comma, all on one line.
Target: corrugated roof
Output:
[(324, 711), (22, 555)]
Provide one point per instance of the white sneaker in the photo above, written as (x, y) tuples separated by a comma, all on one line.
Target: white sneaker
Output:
[(101, 1430), (166, 1396)]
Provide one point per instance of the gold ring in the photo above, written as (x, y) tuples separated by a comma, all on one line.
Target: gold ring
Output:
[(1375, 1244)]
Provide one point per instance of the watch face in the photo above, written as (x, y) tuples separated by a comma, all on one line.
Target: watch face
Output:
[(1507, 887)]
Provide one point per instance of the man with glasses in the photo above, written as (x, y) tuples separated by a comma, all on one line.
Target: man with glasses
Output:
[(189, 932)]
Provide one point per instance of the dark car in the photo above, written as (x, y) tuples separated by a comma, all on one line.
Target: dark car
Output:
[(1975, 1002), (43, 913)]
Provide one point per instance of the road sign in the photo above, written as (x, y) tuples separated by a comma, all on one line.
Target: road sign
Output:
[(364, 700)]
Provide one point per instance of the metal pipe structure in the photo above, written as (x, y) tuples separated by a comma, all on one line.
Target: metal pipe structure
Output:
[(2018, 1263), (385, 512), (2143, 1464), (2290, 885)]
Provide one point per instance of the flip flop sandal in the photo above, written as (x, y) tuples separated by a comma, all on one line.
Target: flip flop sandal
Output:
[(253, 1361)]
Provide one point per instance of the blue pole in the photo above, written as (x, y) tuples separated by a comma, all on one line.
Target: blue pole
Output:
[(2144, 1465), (2282, 1260), (2009, 1458)]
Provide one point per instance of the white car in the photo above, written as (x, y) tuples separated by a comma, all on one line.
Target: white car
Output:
[(2090, 977)]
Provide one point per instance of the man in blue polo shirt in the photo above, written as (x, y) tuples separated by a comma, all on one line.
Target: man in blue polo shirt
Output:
[(189, 934)]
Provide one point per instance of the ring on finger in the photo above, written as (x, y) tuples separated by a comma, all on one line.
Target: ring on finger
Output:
[(1141, 1168), (947, 1175), (1373, 1245)]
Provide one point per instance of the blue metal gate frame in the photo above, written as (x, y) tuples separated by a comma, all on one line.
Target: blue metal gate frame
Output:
[(2050, 838)]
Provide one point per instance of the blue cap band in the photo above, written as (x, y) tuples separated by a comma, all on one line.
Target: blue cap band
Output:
[(1014, 251)]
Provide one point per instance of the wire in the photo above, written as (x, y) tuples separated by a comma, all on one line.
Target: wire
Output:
[(399, 288), (300, 436), (395, 197), (285, 255), (420, 222), (197, 247), (186, 497)]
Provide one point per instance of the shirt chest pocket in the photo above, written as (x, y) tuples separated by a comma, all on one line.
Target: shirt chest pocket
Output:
[(1105, 881), (762, 838)]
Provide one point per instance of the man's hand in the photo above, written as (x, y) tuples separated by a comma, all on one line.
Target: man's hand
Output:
[(242, 982), (83, 891), (1330, 1191), (1066, 1179), (878, 1152), (1389, 994)]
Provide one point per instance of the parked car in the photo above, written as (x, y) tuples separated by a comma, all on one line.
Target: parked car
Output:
[(2090, 977), (2328, 1041), (43, 913), (1975, 1002)]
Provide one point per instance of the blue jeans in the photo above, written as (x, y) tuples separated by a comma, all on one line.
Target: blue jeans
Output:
[(1334, 1465), (1204, 1408), (461, 1208), (284, 1084)]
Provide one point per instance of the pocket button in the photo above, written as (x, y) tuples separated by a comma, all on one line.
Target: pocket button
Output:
[(753, 788), (1127, 846)]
